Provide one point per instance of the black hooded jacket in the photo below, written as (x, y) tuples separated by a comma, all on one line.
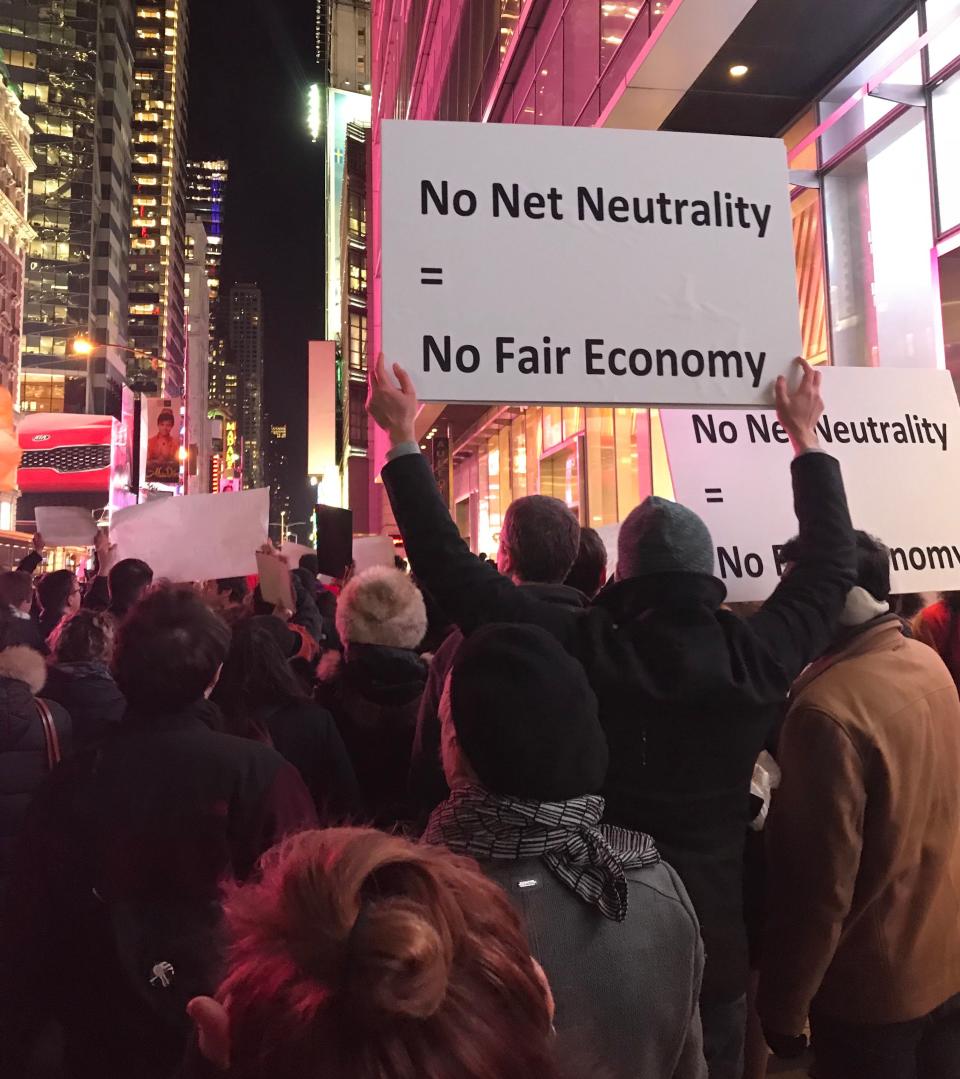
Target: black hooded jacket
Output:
[(91, 696), (373, 693), (688, 691)]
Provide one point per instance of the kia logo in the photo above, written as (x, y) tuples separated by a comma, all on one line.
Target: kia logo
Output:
[(41, 438)]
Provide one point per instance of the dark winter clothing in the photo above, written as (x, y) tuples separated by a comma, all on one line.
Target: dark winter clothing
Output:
[(19, 629), (548, 746), (373, 693), (48, 622), (864, 838), (120, 870), (97, 595), (660, 536), (30, 563), (23, 745), (306, 735), (628, 988), (687, 691), (90, 695), (427, 784)]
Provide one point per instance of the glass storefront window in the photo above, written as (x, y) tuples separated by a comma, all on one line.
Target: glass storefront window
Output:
[(552, 426), (518, 440), (945, 46), (601, 468), (572, 421), (493, 482), (628, 460), (560, 475), (869, 110), (533, 448), (946, 137), (879, 234)]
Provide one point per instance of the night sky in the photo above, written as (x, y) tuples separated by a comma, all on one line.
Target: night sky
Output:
[(251, 62)]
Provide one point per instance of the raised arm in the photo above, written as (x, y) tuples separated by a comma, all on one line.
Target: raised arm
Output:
[(471, 592), (798, 621)]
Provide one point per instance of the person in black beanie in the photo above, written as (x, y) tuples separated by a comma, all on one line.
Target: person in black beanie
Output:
[(610, 922)]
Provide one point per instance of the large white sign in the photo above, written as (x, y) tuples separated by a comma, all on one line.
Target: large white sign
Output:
[(896, 434), (554, 264), (195, 537)]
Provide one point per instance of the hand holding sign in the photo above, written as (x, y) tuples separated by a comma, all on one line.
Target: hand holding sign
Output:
[(393, 409), (799, 412)]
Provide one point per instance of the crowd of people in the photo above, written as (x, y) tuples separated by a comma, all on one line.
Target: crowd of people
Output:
[(484, 820)]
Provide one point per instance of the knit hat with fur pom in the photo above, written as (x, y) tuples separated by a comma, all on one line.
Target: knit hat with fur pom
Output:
[(382, 606)]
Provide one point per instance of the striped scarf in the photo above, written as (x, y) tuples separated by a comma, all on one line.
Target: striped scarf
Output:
[(589, 858)]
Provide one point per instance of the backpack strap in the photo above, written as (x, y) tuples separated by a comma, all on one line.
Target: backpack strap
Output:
[(51, 737)]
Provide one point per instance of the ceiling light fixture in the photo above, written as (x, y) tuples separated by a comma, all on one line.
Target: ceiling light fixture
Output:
[(738, 71)]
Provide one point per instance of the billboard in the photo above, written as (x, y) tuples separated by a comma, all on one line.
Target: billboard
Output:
[(162, 422), (66, 452)]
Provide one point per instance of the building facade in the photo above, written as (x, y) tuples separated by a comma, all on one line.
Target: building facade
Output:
[(276, 460), (206, 189), (197, 401), (867, 99), (246, 346), (73, 63), (157, 322)]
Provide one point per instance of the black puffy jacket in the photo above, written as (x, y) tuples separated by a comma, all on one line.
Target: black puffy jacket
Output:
[(23, 746), (91, 696)]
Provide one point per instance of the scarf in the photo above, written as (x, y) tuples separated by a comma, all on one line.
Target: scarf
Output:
[(589, 858), (861, 607)]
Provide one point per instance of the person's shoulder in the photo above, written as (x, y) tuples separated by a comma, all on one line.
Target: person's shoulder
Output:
[(659, 886)]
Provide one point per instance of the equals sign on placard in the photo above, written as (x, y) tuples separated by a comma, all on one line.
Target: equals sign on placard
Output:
[(714, 494), (431, 275)]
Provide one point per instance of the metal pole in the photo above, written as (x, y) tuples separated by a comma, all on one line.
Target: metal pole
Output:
[(135, 462)]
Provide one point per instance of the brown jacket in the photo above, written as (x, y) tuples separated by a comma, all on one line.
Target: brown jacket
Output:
[(864, 839)]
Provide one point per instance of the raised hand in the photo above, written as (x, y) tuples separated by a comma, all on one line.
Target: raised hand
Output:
[(393, 408), (800, 411)]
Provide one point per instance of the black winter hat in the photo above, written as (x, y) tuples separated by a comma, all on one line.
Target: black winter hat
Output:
[(525, 715)]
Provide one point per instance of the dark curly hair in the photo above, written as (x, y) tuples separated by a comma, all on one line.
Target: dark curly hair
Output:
[(84, 637)]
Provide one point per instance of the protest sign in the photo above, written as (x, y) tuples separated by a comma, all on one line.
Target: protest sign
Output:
[(275, 584), (195, 537), (896, 434), (644, 267), (334, 540), (65, 526), (369, 551), (293, 552)]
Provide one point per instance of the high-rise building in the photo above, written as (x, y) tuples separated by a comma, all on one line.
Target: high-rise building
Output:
[(276, 459), (246, 345), (157, 323), (197, 306), (206, 186), (73, 63)]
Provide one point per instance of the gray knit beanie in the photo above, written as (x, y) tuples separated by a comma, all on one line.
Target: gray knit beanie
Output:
[(663, 537)]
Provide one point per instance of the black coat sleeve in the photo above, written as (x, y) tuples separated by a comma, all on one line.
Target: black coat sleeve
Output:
[(30, 563), (798, 621), (426, 783), (97, 596), (335, 789), (471, 592)]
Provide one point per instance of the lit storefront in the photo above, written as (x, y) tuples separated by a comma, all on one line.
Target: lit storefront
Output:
[(875, 202)]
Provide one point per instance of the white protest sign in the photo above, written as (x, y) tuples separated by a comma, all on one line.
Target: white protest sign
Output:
[(293, 552), (371, 551), (896, 434), (66, 526), (195, 537), (575, 265), (275, 584)]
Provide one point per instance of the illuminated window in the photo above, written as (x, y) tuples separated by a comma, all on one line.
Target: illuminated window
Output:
[(148, 13), (148, 35), (141, 244), (357, 345), (144, 200), (146, 159)]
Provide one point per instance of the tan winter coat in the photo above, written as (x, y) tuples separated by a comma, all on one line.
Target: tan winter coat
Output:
[(864, 839)]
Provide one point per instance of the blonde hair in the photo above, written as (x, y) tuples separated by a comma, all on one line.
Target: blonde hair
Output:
[(360, 955)]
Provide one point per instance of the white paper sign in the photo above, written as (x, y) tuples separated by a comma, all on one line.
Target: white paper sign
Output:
[(896, 434), (293, 552), (372, 551), (195, 537), (66, 526), (554, 264)]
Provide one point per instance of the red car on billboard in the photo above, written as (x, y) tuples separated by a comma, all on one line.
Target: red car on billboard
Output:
[(65, 452)]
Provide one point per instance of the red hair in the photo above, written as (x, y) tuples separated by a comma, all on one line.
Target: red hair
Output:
[(359, 955)]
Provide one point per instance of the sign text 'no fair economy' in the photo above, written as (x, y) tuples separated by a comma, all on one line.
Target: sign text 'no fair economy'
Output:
[(563, 265)]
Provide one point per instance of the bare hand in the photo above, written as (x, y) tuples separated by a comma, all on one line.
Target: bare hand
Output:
[(393, 409), (799, 412), (106, 552), (38, 543)]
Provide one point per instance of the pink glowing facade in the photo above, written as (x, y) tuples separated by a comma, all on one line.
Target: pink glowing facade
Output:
[(875, 202)]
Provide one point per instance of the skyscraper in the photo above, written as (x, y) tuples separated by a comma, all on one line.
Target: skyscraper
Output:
[(197, 306), (206, 184), (73, 63), (159, 187), (246, 345)]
